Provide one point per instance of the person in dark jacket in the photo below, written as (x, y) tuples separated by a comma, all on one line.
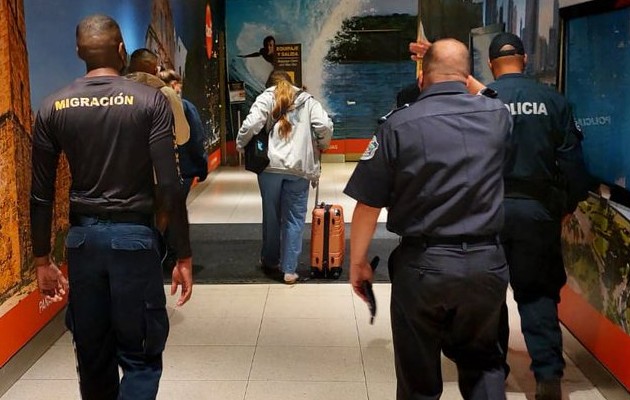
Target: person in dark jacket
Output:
[(193, 157)]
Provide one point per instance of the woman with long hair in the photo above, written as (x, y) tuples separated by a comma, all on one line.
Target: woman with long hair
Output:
[(299, 129)]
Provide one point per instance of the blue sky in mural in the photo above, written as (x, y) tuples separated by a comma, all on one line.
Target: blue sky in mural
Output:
[(50, 35), (50, 31)]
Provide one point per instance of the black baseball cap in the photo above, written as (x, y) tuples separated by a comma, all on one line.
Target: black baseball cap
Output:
[(505, 39)]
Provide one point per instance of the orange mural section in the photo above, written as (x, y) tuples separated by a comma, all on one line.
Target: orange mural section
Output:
[(595, 303), (608, 343), (24, 320), (214, 160), (347, 146), (21, 313)]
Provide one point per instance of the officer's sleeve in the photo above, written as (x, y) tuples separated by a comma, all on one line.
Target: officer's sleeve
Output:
[(44, 156), (570, 161), (170, 190), (372, 181)]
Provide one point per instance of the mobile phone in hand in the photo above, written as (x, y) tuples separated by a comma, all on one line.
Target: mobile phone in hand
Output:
[(366, 286)]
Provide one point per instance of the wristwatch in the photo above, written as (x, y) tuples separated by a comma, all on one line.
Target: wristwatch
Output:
[(488, 92)]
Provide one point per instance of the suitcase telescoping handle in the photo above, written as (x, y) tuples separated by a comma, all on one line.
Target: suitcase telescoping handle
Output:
[(317, 183)]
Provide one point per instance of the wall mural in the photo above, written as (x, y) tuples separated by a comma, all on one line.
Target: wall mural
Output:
[(597, 257), (353, 52), (184, 33), (537, 23)]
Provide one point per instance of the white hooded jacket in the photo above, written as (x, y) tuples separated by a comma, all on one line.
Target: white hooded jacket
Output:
[(298, 153)]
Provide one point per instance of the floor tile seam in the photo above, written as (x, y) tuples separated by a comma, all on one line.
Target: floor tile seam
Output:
[(170, 346), (308, 381), (334, 319), (201, 380), (289, 317), (361, 349), (324, 300), (305, 380), (251, 365), (236, 205), (194, 318), (311, 293), (301, 346), (318, 346), (48, 379)]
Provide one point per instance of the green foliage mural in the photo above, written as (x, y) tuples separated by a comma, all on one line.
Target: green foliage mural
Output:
[(597, 257)]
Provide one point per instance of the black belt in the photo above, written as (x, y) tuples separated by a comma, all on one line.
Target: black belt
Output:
[(111, 217), (463, 241)]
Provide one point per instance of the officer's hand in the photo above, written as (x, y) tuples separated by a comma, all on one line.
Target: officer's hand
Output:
[(358, 273), (182, 275), (50, 280), (419, 49)]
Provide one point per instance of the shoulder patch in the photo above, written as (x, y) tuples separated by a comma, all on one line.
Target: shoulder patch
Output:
[(370, 150)]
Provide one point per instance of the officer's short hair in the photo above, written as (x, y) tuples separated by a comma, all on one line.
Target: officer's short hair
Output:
[(143, 60)]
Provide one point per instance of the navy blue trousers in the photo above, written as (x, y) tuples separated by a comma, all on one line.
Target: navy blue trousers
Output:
[(117, 309), (532, 242), (447, 299)]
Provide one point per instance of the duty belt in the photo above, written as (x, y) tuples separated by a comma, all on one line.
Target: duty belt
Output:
[(111, 217), (463, 241)]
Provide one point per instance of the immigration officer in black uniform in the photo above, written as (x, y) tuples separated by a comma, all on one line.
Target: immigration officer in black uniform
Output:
[(117, 137), (545, 177), (437, 166)]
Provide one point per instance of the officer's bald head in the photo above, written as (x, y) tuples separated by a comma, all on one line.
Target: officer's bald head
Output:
[(446, 60), (143, 60), (100, 43)]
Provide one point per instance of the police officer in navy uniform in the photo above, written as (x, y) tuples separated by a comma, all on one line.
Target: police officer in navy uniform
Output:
[(117, 137), (437, 166), (545, 177)]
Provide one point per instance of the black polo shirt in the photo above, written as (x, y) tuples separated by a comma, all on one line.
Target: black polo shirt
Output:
[(118, 138)]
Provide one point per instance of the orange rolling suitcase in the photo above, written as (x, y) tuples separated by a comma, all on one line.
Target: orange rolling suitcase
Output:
[(328, 240)]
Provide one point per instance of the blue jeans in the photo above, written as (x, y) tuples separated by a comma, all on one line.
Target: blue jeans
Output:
[(117, 309), (284, 199)]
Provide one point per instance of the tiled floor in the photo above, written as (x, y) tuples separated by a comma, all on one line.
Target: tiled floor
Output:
[(264, 342)]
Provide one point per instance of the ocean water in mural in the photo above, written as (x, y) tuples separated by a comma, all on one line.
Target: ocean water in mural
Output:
[(355, 80), (358, 94)]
